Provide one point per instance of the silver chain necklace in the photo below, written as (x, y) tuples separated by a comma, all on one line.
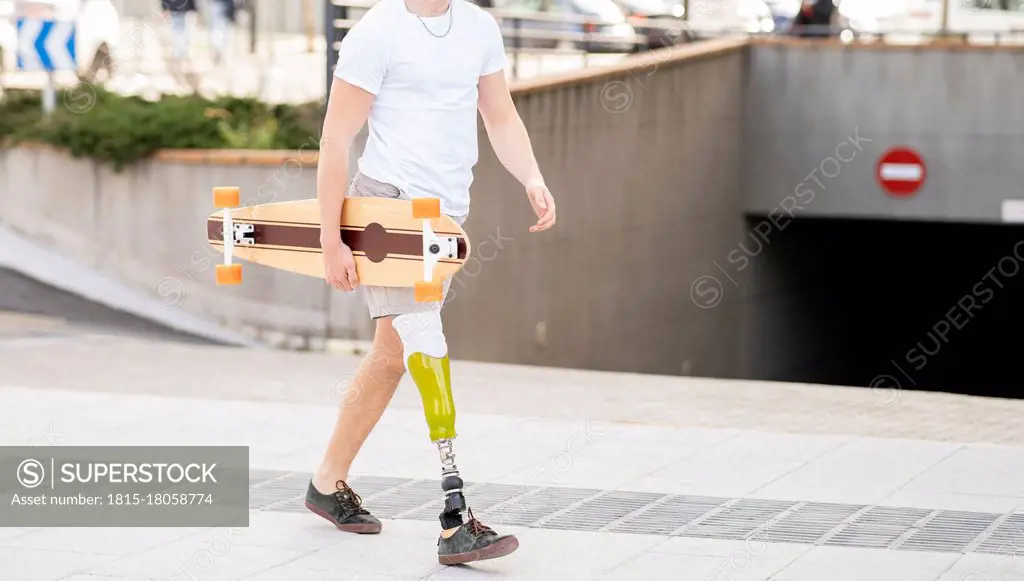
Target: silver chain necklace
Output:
[(451, 19)]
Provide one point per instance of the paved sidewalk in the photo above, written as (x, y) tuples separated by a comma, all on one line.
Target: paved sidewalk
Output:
[(612, 477)]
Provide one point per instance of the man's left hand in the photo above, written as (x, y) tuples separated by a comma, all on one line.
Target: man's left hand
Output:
[(543, 205)]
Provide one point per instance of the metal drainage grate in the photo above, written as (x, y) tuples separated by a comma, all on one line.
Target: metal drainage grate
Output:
[(878, 527), (1006, 539), (809, 523), (738, 520), (948, 531), (598, 512), (663, 518)]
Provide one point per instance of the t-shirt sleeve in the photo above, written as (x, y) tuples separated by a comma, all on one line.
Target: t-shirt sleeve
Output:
[(494, 47), (363, 56)]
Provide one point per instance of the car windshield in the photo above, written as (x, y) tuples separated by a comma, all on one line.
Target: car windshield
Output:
[(605, 9)]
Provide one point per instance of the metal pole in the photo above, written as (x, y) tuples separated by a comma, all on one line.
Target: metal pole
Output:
[(49, 95), (332, 36), (517, 26), (308, 25), (944, 29), (252, 26), (686, 9)]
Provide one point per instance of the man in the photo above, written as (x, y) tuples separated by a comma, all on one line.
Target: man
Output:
[(418, 71), (178, 10), (814, 19)]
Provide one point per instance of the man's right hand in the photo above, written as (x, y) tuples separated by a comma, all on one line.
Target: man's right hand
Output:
[(340, 268)]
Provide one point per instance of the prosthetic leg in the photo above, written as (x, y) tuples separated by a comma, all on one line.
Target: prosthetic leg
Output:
[(427, 361)]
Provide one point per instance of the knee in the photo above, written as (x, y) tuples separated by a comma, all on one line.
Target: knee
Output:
[(385, 365)]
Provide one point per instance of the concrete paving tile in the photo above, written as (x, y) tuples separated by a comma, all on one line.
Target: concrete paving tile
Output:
[(752, 548), (975, 477), (590, 454), (737, 466), (209, 554), (980, 567), (672, 567), (918, 498), (408, 548), (864, 470), (19, 564), (8, 534), (848, 564), (292, 531), (98, 541)]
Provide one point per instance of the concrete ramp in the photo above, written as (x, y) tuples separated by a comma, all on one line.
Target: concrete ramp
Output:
[(38, 281)]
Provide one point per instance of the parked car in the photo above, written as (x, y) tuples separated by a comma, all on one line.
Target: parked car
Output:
[(726, 17), (97, 33), (660, 21), (609, 21)]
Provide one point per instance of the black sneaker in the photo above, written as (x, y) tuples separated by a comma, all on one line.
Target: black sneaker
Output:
[(343, 508), (474, 541)]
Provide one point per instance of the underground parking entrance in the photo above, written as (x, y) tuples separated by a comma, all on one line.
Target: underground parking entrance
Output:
[(914, 305)]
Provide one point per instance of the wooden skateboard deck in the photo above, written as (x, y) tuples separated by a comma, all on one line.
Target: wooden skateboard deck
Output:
[(385, 237)]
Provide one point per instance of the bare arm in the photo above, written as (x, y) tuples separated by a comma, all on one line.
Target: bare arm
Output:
[(347, 110), (511, 143)]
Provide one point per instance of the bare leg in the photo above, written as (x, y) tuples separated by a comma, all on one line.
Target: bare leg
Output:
[(368, 395)]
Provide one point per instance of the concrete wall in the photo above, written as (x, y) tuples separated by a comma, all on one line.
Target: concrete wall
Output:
[(641, 158), (676, 175), (146, 228), (817, 119), (643, 163), (958, 106)]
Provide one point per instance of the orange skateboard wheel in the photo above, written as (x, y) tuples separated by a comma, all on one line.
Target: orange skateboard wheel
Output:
[(228, 274), (426, 208), (429, 292), (227, 197)]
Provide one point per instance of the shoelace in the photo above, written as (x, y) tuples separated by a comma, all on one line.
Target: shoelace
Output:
[(478, 527), (348, 498)]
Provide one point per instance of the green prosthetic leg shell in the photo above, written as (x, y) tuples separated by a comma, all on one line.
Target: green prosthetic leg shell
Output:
[(433, 378)]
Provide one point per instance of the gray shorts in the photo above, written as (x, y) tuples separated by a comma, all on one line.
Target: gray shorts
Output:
[(385, 301)]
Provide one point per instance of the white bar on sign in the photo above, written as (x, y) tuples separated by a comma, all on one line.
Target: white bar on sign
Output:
[(1013, 211), (901, 172)]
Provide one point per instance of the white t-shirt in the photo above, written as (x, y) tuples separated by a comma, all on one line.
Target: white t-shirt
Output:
[(423, 123)]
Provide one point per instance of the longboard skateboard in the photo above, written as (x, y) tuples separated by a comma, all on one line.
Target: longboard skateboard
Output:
[(396, 243)]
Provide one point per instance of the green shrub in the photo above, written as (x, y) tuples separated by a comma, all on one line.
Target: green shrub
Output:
[(120, 130)]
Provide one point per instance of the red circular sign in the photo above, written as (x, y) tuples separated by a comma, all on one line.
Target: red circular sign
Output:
[(901, 172)]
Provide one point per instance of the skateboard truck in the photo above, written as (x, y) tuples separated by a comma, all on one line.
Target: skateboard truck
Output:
[(242, 234), (434, 249)]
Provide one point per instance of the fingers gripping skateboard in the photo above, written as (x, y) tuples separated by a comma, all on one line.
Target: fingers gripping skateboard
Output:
[(226, 198)]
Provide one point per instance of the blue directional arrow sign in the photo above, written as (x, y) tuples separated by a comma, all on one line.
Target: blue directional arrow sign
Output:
[(46, 45)]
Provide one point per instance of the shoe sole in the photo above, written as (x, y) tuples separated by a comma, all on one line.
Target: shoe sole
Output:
[(361, 529), (499, 549)]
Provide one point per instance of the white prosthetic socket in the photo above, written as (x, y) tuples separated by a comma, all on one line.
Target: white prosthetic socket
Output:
[(421, 332)]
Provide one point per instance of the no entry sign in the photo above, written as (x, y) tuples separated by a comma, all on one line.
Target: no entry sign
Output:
[(901, 172)]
